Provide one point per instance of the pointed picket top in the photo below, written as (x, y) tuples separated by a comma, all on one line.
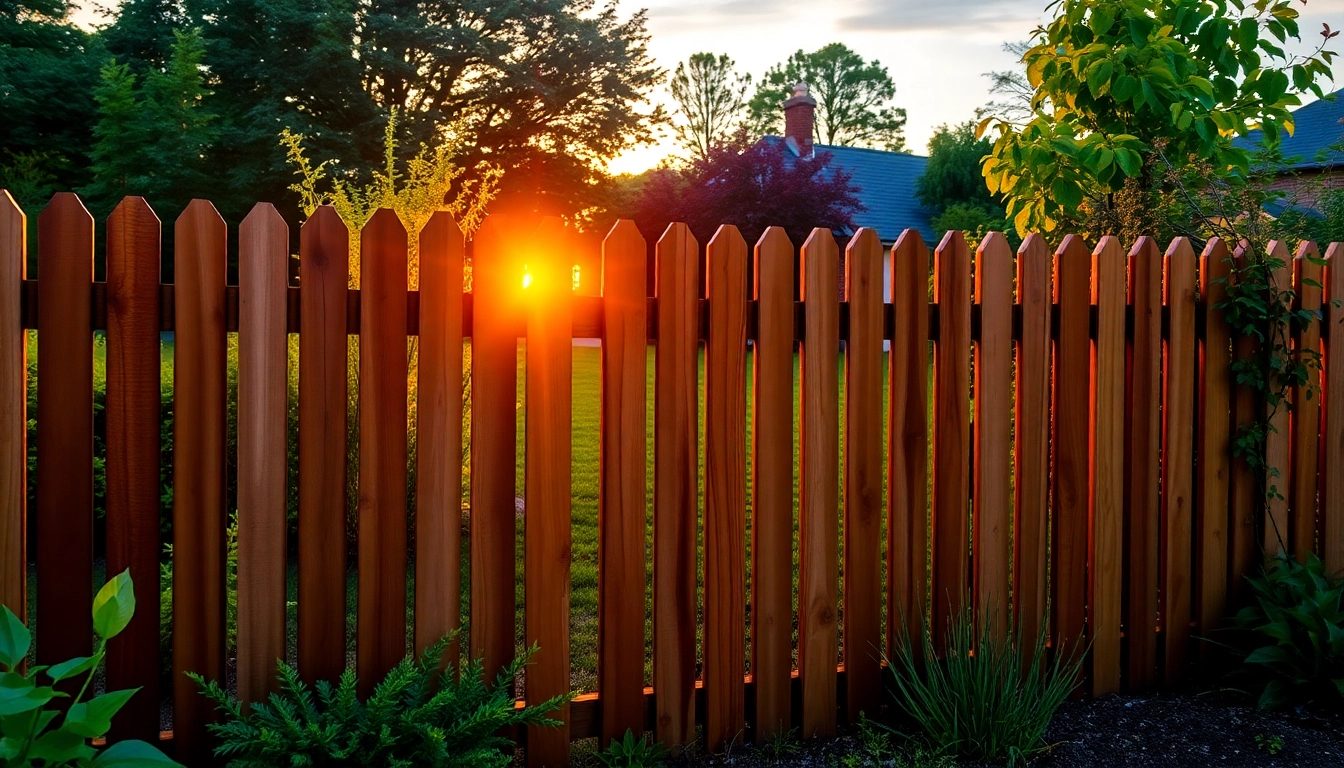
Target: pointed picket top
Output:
[(8, 206), (325, 218), (136, 207), (676, 230), (995, 245), (727, 235), (864, 240), (774, 237), (65, 204), (952, 240), (1180, 248), (1075, 247), (1033, 243), (262, 215), (441, 225), (679, 248), (384, 223), (13, 234), (774, 250), (623, 235), (819, 246), (909, 239)]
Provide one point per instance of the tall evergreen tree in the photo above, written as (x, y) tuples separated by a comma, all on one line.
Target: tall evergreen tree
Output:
[(711, 97)]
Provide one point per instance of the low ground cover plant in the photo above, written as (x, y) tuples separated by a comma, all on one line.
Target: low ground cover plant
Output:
[(419, 716), (42, 726), (1295, 628), (982, 699), (632, 751)]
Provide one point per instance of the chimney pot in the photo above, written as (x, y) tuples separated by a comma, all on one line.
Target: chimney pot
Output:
[(799, 111)]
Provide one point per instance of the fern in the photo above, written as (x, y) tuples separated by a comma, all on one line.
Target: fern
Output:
[(417, 717)]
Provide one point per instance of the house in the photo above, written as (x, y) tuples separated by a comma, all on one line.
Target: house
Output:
[(1314, 154), (886, 180)]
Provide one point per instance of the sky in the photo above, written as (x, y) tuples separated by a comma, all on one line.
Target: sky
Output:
[(936, 51)]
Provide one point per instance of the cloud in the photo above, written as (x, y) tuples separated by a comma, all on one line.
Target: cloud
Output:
[(968, 15)]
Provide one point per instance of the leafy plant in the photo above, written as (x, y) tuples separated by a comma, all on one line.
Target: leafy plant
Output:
[(781, 745), (632, 752), (418, 717), (1297, 626), (1271, 744), (27, 737), (980, 700), (882, 747)]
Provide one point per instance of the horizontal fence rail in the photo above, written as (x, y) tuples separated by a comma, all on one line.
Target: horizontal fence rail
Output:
[(1043, 437)]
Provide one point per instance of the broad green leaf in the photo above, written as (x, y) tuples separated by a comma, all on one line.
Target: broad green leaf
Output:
[(1268, 654), (19, 694), (60, 746), (76, 666), (10, 748), (114, 605), (93, 718), (1099, 78), (1129, 161), (14, 640), (132, 754), (1067, 193)]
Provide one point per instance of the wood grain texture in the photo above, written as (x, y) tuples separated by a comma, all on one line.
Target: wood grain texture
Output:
[(676, 487), (993, 513), (863, 475), (1213, 448), (621, 511), (951, 433), (1306, 410), (1331, 523), (131, 414), (199, 434), (381, 624), (908, 440), (1106, 534), (324, 266), (13, 409), (1143, 437), (1178, 442), (819, 480), (438, 479), (263, 279), (1031, 486), (64, 518), (1278, 439), (1246, 502), (546, 568), (725, 488), (496, 277), (1070, 442), (772, 486)]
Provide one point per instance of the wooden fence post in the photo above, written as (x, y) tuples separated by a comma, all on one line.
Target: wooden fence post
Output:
[(1178, 413), (1031, 562), (1143, 438), (992, 538), (1247, 500), (1331, 522), (1277, 538), (1106, 574), (1306, 409), (772, 486), (131, 414), (199, 433), (1213, 447), (14, 415), (951, 433)]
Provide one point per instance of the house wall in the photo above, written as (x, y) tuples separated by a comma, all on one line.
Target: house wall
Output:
[(1307, 187)]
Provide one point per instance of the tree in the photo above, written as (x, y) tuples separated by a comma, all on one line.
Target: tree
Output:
[(953, 172), (853, 98), (710, 97), (1012, 93), (1126, 95), (751, 185), (142, 35)]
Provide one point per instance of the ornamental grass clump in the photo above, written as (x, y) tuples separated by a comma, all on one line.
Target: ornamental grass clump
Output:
[(419, 716), (981, 698)]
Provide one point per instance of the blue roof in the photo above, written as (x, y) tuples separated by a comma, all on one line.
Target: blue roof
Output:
[(886, 182), (1318, 128)]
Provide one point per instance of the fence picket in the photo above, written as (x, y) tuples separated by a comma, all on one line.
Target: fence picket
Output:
[(622, 513), (546, 569), (992, 534), (1071, 442), (1143, 438), (772, 486), (725, 492), (1031, 523), (675, 487), (1106, 574), (131, 415), (13, 409), (1178, 413), (1213, 447), (1278, 440), (951, 432), (496, 280), (908, 440), (381, 631), (863, 475), (1331, 523), (438, 477), (199, 434), (263, 277), (324, 265), (1306, 406), (64, 516), (1247, 501), (819, 480)]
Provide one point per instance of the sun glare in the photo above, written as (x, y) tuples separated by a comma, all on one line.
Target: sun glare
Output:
[(527, 277)]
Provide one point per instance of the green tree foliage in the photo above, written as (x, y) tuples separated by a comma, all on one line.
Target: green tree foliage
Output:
[(853, 98), (952, 187), (143, 34), (710, 97), (47, 68), (1009, 87), (1124, 92), (153, 140)]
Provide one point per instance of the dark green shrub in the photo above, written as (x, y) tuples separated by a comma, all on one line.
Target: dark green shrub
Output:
[(418, 717), (632, 752), (1296, 629), (27, 736), (982, 700)]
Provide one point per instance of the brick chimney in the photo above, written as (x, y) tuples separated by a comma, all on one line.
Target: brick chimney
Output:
[(798, 112)]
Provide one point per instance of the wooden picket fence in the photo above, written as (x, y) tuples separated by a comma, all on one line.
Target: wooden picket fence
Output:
[(1076, 455)]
